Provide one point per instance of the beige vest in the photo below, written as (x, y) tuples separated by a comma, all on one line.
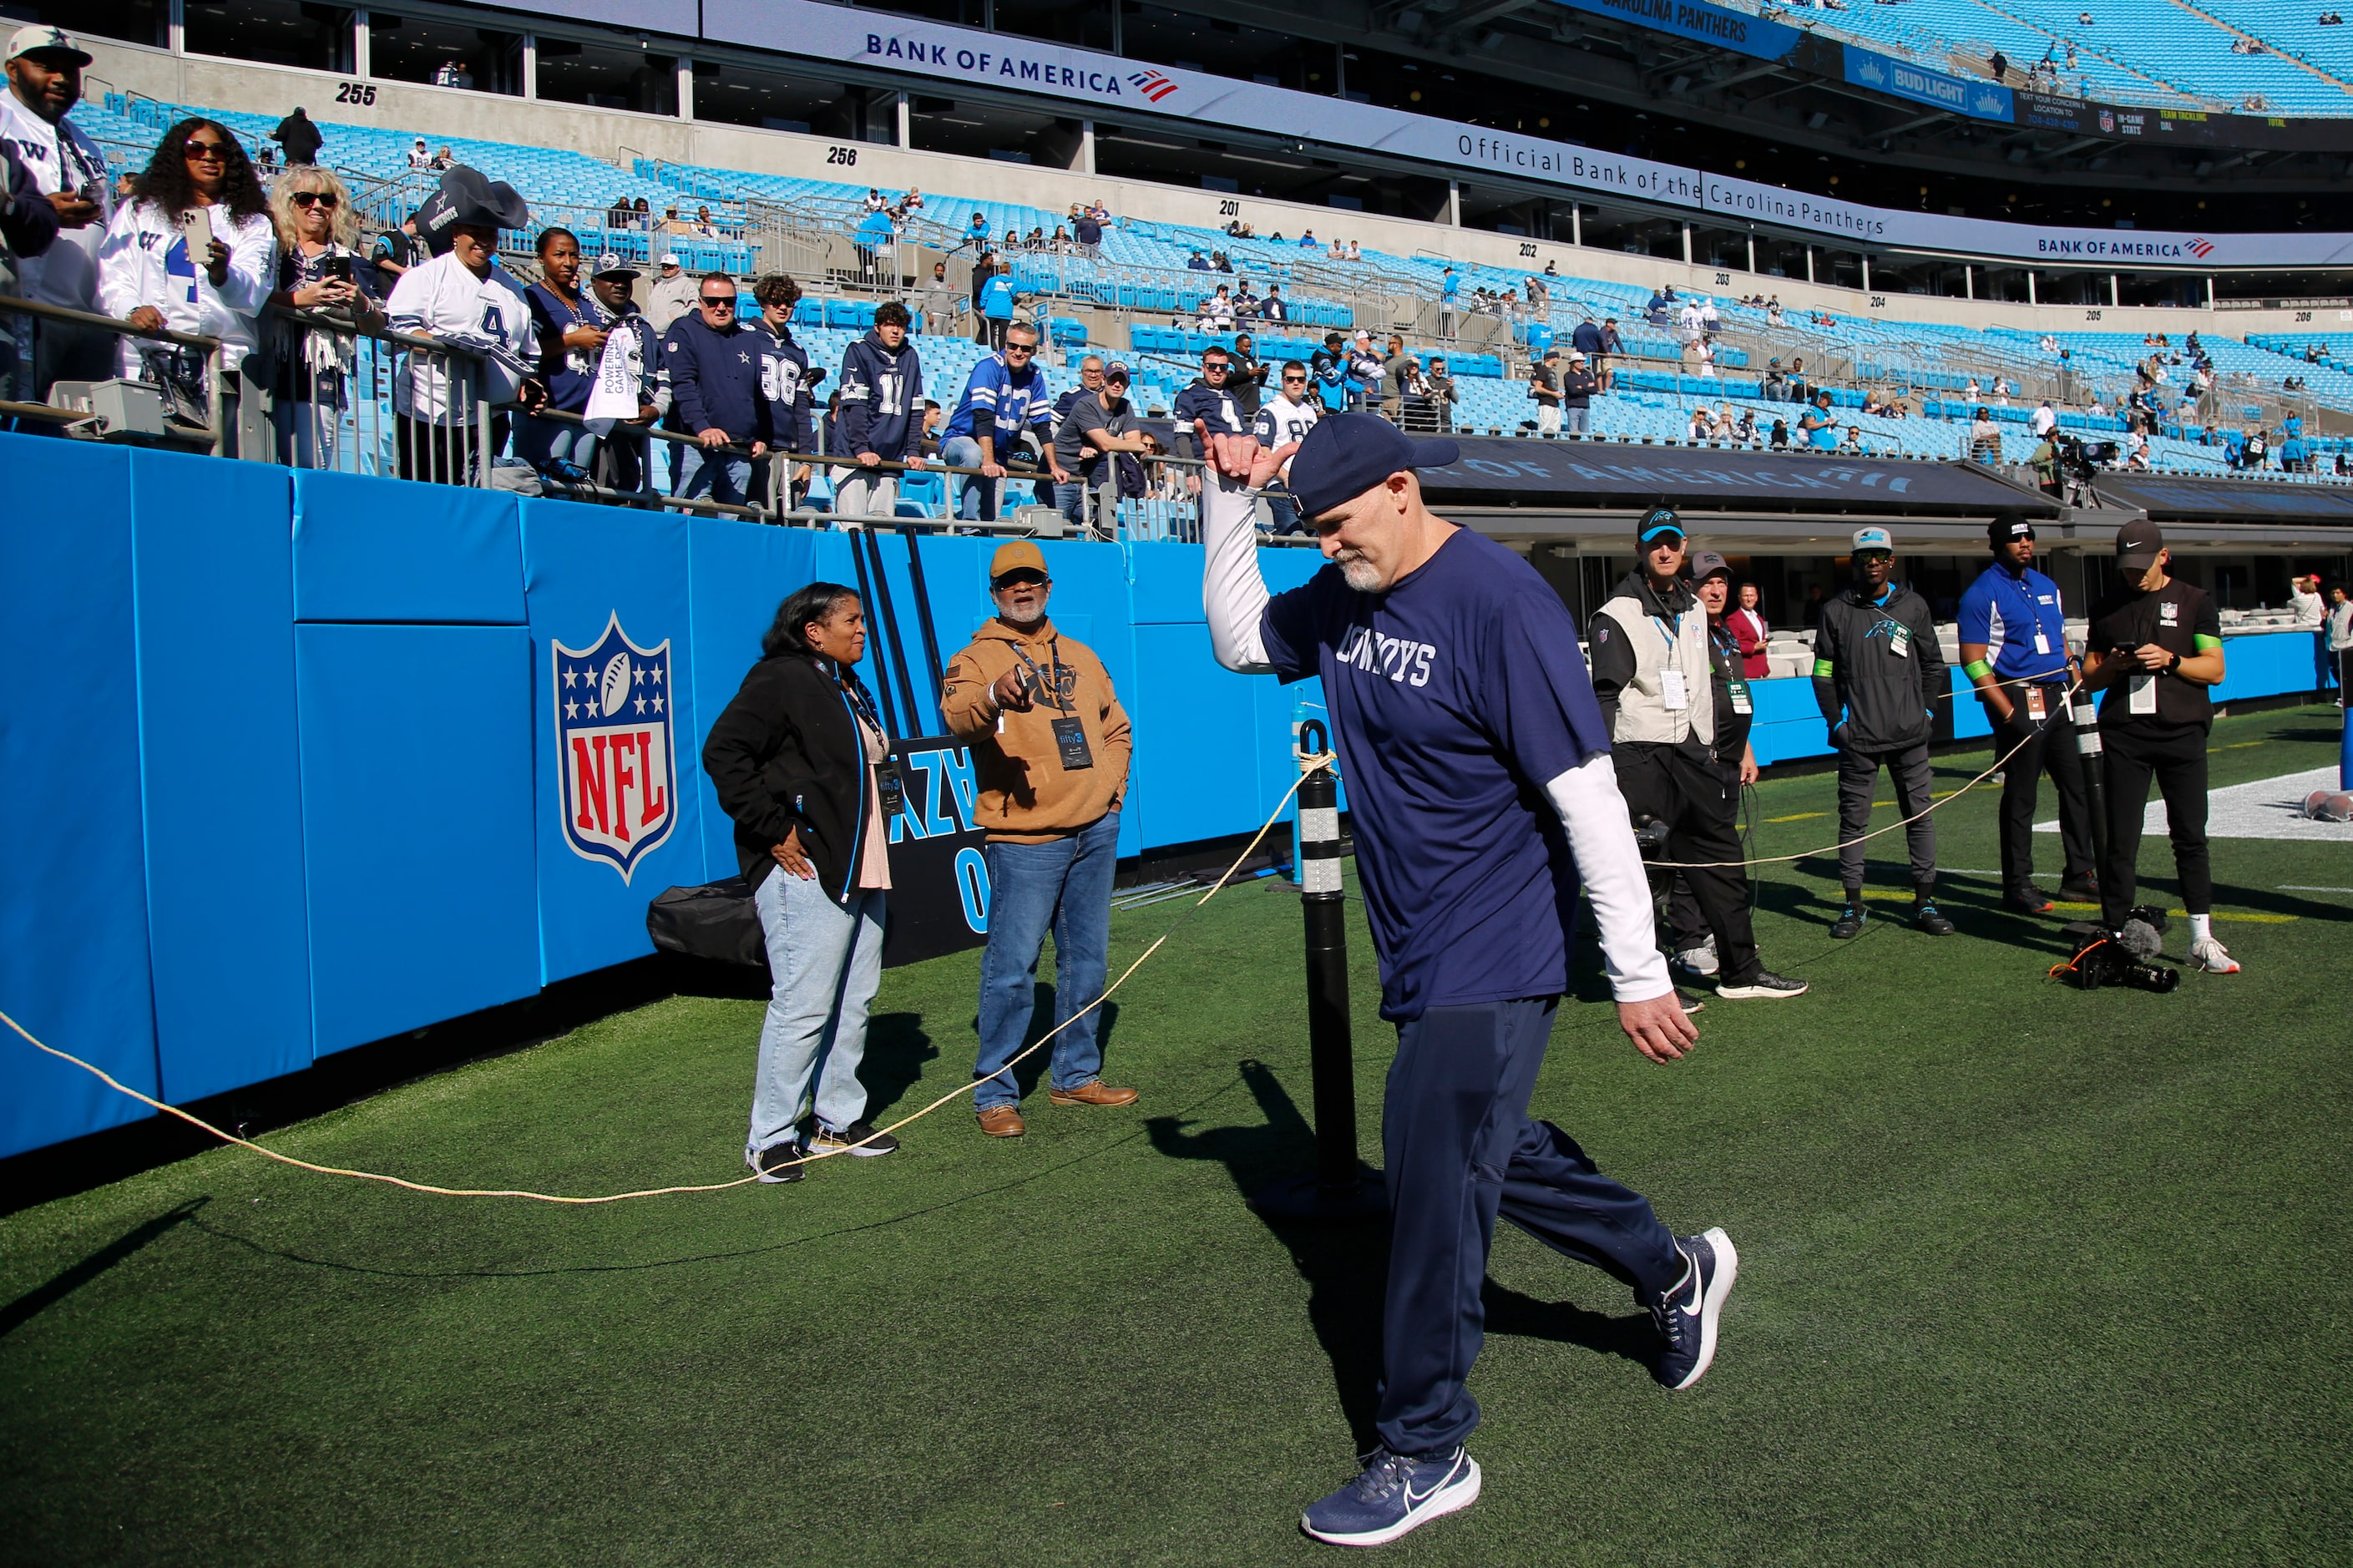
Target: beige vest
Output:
[(1643, 717)]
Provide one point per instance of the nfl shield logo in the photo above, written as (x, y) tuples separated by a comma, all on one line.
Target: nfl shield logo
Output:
[(616, 772), (2108, 121)]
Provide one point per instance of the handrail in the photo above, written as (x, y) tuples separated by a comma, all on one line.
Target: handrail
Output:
[(12, 305)]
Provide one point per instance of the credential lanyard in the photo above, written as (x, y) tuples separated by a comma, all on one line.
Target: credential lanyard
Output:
[(1054, 661)]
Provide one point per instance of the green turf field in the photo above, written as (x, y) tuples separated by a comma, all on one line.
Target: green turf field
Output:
[(2027, 1275)]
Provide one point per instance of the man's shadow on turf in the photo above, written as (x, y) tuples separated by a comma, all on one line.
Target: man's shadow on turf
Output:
[(1346, 1266)]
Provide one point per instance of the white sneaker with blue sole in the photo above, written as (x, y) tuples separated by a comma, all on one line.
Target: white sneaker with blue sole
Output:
[(1394, 1494)]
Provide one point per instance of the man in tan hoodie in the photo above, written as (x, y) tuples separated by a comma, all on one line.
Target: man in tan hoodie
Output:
[(1049, 746)]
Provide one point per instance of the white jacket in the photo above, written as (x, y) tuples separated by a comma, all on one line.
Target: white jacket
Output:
[(61, 158), (145, 261), (489, 314)]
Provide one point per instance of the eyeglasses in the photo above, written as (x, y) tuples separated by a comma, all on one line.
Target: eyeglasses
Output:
[(207, 152), (718, 302), (327, 199)]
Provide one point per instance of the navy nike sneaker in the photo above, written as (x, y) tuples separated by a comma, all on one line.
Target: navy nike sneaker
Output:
[(1393, 1495), (1686, 1315)]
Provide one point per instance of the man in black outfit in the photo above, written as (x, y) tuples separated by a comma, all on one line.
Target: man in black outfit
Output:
[(1668, 742), (1735, 761), (1878, 677), (2156, 648), (298, 134)]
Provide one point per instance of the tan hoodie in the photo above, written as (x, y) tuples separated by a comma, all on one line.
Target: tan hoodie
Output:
[(1026, 795)]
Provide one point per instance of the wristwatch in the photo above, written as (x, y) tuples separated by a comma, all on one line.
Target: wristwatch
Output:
[(2174, 665)]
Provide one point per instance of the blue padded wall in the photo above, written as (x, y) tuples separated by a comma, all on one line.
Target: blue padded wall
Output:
[(73, 924), (585, 567), (737, 574), (227, 917), (383, 550), (416, 824)]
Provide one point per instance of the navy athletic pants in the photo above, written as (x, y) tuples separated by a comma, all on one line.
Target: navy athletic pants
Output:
[(1460, 1150)]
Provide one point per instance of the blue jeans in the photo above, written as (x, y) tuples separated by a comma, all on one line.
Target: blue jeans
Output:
[(721, 476), (825, 959), (541, 442), (1064, 884), (975, 497)]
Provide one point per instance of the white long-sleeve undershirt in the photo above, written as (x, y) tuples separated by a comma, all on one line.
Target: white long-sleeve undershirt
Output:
[(1592, 811)]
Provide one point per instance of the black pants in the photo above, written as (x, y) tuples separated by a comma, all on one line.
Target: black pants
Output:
[(2051, 749), (1459, 1150), (1689, 793), (2176, 755), (443, 454), (1858, 775), (1684, 917)]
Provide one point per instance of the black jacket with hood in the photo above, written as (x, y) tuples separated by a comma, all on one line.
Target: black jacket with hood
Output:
[(786, 753), (1885, 700)]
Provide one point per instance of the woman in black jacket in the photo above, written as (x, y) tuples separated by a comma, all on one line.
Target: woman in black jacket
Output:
[(800, 761)]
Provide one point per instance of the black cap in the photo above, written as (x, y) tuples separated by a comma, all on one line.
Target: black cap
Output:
[(1657, 520), (2008, 529), (2137, 545)]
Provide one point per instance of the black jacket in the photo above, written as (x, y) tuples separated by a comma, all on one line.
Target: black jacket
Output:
[(1887, 700), (786, 753)]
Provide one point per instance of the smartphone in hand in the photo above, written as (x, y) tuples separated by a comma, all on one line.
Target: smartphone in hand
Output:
[(196, 229), (336, 269)]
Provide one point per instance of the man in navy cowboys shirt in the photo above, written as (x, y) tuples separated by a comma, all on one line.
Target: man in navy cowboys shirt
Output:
[(1479, 775)]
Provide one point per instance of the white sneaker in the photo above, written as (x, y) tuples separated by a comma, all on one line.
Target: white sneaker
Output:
[(2213, 957), (1694, 962)]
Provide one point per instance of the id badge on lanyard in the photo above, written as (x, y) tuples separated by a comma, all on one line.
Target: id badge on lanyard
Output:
[(2142, 698), (1737, 689), (1899, 642), (1070, 734), (2035, 708), (890, 787)]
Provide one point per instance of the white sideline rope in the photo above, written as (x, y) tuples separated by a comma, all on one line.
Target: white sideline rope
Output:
[(1307, 766)]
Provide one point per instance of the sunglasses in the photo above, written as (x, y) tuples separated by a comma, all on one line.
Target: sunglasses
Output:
[(207, 153), (1295, 381), (1021, 347), (1218, 367), (327, 199), (713, 302)]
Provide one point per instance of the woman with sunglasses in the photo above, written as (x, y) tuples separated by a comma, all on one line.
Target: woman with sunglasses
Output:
[(199, 183), (319, 270)]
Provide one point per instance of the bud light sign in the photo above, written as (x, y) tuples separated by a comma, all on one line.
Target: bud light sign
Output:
[(618, 773)]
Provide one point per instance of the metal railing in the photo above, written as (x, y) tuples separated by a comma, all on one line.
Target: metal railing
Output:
[(35, 328)]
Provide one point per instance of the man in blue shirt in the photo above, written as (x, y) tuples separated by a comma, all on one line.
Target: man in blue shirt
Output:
[(876, 240), (1210, 402), (1450, 290), (1479, 776), (2014, 649), (1004, 392), (880, 418)]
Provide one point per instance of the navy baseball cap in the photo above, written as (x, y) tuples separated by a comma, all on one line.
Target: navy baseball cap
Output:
[(1347, 454), (1657, 521)]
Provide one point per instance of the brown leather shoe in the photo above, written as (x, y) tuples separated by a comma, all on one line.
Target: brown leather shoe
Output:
[(1095, 1091), (1002, 1122)]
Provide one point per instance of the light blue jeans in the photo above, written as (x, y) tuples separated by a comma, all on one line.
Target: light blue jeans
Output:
[(975, 497), (1064, 885), (825, 959), (541, 442)]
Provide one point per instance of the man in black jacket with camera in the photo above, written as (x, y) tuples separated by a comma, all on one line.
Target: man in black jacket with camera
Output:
[(1878, 677)]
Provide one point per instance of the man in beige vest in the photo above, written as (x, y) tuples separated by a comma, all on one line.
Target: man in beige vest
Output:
[(1657, 687)]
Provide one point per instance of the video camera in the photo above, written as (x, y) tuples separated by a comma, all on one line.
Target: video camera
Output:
[(2082, 460)]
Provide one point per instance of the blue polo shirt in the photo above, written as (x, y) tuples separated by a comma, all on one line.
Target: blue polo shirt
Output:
[(1455, 696), (2005, 612)]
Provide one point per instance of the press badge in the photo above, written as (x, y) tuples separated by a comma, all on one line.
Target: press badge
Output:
[(1899, 643), (890, 787), (1672, 695), (2142, 697), (2034, 708), (1739, 692), (1072, 736), (2041, 641)]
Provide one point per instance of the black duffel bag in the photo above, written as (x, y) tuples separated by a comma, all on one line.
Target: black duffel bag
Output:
[(716, 920)]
